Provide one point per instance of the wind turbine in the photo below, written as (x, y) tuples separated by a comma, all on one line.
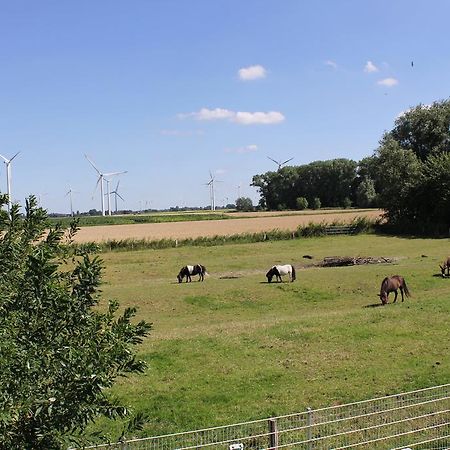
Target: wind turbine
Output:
[(69, 193), (108, 196), (8, 178), (212, 193), (116, 194), (280, 164), (101, 177)]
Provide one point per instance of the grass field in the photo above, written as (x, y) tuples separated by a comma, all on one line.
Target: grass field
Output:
[(235, 348)]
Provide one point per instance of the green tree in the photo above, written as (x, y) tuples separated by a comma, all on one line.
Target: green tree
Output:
[(365, 193), (346, 203), (431, 197), (316, 203), (399, 175), (244, 204), (59, 351), (302, 203), (424, 129)]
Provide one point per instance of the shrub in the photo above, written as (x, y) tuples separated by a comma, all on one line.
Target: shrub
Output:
[(301, 203)]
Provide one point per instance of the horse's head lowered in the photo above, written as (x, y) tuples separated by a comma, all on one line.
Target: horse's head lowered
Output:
[(180, 275), (270, 274)]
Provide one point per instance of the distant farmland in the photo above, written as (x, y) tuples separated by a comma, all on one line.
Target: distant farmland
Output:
[(193, 226)]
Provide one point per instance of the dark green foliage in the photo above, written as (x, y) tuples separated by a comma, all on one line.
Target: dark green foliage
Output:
[(331, 181), (346, 203), (365, 193), (412, 167), (424, 129), (58, 351), (244, 204), (316, 203), (301, 203)]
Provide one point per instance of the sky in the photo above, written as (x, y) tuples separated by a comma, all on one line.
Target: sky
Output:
[(173, 90)]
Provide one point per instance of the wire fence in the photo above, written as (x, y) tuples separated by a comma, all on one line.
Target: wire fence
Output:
[(410, 420)]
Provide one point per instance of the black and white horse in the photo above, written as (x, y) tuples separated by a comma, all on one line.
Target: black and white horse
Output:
[(188, 271), (278, 271)]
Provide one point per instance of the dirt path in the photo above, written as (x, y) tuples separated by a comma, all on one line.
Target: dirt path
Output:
[(181, 230)]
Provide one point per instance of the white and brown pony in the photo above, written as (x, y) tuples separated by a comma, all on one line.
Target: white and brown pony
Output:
[(445, 266), (188, 271), (392, 284), (279, 271)]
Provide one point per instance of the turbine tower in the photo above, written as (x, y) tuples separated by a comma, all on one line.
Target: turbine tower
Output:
[(69, 193), (108, 196), (116, 194), (280, 164), (8, 179), (212, 193), (101, 177)]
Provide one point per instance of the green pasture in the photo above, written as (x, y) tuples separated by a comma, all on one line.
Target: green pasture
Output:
[(130, 219), (235, 348)]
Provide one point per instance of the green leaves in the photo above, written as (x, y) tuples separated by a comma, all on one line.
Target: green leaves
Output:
[(412, 167), (58, 351)]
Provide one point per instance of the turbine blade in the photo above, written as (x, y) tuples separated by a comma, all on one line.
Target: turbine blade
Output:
[(273, 160), (4, 159), (114, 173), (96, 185), (92, 164), (290, 159), (117, 186), (14, 156), (118, 195)]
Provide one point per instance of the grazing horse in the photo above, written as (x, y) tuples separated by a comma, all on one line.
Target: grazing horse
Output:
[(445, 266), (392, 284), (278, 271), (188, 271)]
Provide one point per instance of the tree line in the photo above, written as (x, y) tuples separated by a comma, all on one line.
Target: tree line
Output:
[(408, 175)]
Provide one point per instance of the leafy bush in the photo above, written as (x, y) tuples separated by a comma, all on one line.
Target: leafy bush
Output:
[(58, 350), (301, 203), (316, 203)]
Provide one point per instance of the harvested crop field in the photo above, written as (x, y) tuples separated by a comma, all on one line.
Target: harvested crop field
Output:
[(194, 229)]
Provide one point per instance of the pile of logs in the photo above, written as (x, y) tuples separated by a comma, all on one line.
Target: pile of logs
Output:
[(337, 261)]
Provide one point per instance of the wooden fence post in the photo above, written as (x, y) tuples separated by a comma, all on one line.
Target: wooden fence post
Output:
[(310, 422), (273, 434)]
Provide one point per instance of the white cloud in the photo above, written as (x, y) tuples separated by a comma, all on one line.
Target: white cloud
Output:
[(388, 82), (241, 117), (252, 72), (331, 63), (370, 67), (263, 118), (209, 114), (247, 149)]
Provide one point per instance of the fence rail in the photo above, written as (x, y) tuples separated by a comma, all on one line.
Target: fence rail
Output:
[(340, 229), (416, 420)]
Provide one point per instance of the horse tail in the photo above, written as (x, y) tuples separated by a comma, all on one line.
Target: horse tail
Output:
[(405, 288), (204, 271), (293, 273)]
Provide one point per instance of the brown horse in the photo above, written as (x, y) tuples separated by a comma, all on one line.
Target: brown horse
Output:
[(445, 266), (392, 284)]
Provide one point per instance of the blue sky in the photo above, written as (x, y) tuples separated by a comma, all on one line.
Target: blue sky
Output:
[(171, 89)]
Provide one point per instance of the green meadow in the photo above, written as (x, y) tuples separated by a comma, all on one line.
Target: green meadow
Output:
[(235, 348)]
